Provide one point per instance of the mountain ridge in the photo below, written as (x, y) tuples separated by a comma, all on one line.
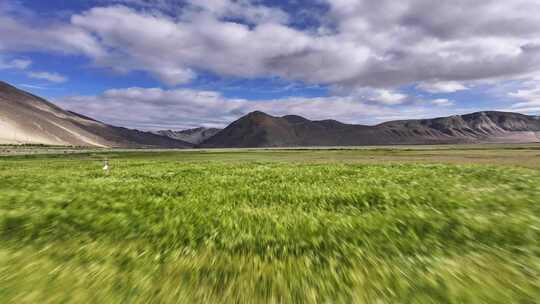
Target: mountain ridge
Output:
[(29, 119), (258, 129), (194, 136)]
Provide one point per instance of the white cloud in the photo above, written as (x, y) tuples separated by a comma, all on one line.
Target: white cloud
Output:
[(527, 97), (250, 11), (23, 64), (60, 38), (17, 64), (243, 9), (167, 47), (377, 96), (52, 77), (389, 97), (383, 44), (442, 102), (441, 87)]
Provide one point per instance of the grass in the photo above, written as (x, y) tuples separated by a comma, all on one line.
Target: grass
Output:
[(271, 226), (524, 155)]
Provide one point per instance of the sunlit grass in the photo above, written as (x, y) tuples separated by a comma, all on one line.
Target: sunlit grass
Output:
[(163, 231)]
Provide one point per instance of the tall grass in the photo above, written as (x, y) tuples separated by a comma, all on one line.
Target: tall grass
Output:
[(156, 231)]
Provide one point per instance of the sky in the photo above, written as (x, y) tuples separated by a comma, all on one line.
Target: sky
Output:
[(176, 64)]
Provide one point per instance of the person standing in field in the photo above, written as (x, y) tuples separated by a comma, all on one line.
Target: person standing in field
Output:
[(106, 166)]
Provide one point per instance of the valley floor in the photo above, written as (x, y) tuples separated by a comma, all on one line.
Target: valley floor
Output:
[(525, 155), (440, 224)]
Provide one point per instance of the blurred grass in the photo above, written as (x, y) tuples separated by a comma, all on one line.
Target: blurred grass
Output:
[(271, 226), (523, 155)]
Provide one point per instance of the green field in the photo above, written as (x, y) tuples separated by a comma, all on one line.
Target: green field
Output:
[(381, 225)]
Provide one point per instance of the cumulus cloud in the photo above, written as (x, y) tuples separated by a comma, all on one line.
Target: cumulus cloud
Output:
[(389, 97), (155, 108), (358, 43), (250, 11), (52, 77), (61, 38), (528, 98), (377, 96), (441, 87), (17, 64), (242, 9), (529, 95), (442, 102), (24, 64), (166, 47)]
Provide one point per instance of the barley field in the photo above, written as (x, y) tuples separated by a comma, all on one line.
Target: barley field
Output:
[(297, 226)]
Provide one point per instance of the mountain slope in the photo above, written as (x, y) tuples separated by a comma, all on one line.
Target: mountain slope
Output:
[(258, 129), (28, 119), (25, 118), (193, 136)]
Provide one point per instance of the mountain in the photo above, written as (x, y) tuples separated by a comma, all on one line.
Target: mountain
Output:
[(258, 129), (193, 136), (28, 119)]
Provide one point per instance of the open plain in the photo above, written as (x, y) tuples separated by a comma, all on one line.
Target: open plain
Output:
[(426, 224)]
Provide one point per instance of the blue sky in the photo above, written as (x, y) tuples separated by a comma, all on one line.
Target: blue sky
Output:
[(153, 64)]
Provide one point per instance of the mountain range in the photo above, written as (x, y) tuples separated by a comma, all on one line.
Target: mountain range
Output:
[(258, 129), (194, 136), (28, 119)]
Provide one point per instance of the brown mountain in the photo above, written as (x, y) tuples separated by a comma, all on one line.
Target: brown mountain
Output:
[(25, 118), (28, 119), (193, 136), (258, 129)]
